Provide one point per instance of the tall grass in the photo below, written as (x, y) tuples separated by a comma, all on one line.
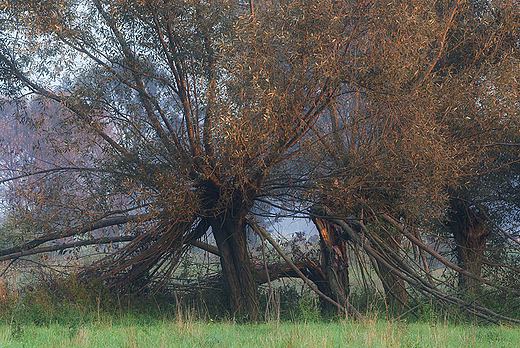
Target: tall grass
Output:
[(67, 313)]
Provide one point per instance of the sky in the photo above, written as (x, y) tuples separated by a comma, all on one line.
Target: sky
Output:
[(288, 226)]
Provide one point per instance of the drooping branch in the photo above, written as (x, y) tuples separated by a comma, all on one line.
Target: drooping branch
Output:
[(439, 257), (104, 240), (120, 220), (395, 264), (65, 246), (155, 252), (49, 171)]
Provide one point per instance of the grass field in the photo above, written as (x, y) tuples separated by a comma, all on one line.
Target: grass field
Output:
[(187, 333), (68, 313)]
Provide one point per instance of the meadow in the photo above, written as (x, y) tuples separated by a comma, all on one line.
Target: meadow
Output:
[(63, 312), (370, 332)]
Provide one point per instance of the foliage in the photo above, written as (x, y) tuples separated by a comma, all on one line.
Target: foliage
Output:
[(179, 119), (193, 106), (58, 300)]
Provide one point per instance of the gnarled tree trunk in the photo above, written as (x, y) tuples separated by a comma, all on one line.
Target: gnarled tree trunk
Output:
[(237, 269), (334, 263)]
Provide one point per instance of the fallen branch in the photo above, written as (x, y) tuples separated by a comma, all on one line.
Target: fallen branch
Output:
[(206, 247), (64, 246)]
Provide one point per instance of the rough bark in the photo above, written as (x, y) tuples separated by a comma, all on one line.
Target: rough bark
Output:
[(470, 232), (394, 286), (237, 270), (334, 263)]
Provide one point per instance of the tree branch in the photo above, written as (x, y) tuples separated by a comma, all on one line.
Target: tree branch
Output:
[(103, 240), (72, 232)]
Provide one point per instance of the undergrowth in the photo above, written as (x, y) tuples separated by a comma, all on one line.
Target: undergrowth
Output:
[(71, 302)]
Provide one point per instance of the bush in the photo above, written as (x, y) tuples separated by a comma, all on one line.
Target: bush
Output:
[(62, 300)]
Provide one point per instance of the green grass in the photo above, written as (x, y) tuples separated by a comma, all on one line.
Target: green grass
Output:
[(67, 313), (190, 333)]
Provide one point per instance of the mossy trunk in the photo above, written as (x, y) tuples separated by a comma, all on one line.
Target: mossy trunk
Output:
[(237, 271)]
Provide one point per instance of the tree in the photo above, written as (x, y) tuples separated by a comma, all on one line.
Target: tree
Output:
[(195, 106), (201, 110), (495, 109), (435, 110)]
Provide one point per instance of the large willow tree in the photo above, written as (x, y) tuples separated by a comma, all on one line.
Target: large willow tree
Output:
[(175, 118), (186, 109), (431, 135)]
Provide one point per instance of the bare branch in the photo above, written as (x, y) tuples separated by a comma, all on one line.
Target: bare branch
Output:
[(73, 232)]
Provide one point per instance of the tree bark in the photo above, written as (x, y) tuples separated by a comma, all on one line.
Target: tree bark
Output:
[(334, 263), (237, 270), (394, 286), (470, 232)]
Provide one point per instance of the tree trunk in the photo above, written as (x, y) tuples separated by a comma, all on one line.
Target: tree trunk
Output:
[(470, 252), (334, 263), (395, 287), (470, 233), (237, 270)]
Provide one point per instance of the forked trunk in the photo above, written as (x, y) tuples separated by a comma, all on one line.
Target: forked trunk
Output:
[(334, 263), (239, 283)]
